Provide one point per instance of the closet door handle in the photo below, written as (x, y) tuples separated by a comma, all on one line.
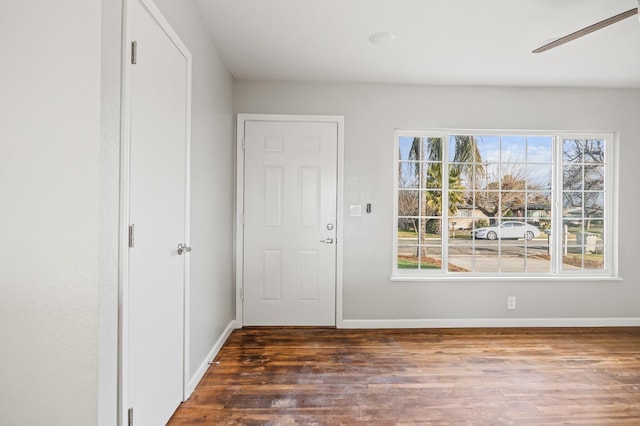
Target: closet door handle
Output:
[(183, 249)]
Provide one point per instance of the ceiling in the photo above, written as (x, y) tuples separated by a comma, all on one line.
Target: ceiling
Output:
[(438, 42)]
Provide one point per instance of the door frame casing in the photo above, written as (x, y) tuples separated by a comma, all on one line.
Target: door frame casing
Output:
[(239, 228), (124, 211)]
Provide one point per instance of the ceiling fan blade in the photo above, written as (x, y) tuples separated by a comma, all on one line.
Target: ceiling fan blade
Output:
[(587, 30)]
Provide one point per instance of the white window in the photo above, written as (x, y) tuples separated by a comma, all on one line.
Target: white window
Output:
[(495, 204)]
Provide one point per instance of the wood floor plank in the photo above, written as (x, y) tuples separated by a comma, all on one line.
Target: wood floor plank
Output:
[(515, 376)]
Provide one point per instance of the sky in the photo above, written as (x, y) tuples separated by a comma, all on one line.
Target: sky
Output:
[(536, 151), (493, 148)]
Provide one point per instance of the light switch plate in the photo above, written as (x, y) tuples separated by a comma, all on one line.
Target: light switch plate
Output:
[(355, 210)]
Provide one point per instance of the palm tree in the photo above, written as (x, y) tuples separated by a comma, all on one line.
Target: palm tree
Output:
[(433, 200), (466, 150), (467, 158), (467, 161)]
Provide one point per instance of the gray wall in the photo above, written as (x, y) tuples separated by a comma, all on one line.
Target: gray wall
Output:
[(49, 161), (372, 112)]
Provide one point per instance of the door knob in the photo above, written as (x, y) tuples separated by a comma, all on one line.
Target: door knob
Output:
[(327, 241), (183, 248)]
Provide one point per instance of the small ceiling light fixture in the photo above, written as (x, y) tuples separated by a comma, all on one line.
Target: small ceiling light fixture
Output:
[(381, 38)]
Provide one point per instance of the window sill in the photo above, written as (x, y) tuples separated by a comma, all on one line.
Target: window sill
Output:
[(498, 279)]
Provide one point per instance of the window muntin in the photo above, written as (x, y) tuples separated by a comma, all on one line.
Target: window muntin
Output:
[(495, 210)]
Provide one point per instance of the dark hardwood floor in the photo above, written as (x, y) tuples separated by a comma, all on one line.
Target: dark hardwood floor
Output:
[(316, 376)]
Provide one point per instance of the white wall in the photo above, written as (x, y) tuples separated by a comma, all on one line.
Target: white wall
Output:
[(49, 156), (212, 188), (109, 212), (372, 112)]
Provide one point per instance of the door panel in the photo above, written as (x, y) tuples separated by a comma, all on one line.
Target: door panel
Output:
[(290, 223), (157, 189)]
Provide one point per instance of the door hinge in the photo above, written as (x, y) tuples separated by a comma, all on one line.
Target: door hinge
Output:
[(130, 417), (242, 219), (131, 234), (242, 294), (134, 52), (244, 145)]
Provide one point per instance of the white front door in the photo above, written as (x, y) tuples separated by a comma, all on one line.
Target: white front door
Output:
[(159, 87), (289, 269)]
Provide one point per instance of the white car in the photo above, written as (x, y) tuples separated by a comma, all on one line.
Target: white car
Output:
[(507, 230)]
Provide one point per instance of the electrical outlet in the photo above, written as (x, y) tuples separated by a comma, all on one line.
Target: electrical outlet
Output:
[(511, 302)]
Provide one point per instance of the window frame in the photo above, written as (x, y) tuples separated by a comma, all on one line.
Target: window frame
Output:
[(556, 273)]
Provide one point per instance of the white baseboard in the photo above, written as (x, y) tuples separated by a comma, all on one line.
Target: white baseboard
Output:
[(193, 382), (492, 323)]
